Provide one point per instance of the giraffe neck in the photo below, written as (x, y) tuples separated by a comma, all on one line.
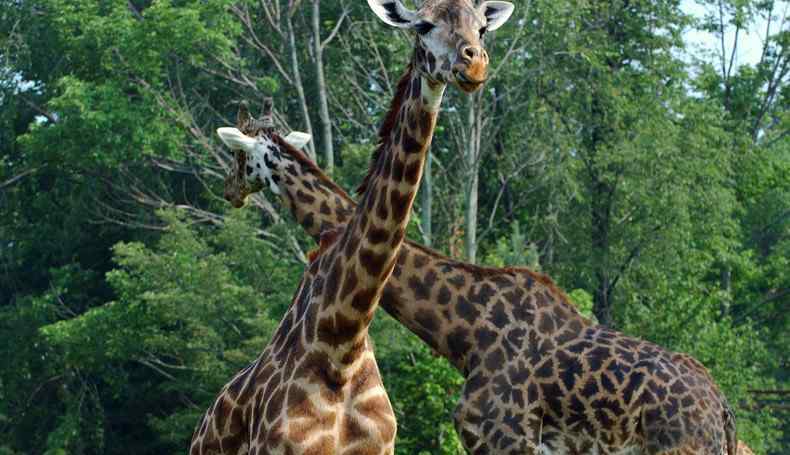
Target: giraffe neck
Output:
[(435, 297), (377, 230), (357, 262), (316, 202)]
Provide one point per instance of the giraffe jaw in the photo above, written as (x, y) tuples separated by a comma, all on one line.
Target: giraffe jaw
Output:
[(470, 78), (469, 86)]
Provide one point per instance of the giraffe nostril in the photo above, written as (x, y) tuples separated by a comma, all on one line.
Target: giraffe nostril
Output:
[(469, 53)]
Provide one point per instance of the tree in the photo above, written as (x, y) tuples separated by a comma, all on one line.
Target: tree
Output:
[(754, 99)]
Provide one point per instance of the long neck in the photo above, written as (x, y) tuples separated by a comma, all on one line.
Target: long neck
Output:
[(437, 298), (389, 190), (317, 203), (359, 263)]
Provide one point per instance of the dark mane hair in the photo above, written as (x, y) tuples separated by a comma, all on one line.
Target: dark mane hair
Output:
[(386, 126), (327, 239), (487, 272)]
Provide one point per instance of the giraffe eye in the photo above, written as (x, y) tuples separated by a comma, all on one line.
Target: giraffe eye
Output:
[(423, 27), (483, 31)]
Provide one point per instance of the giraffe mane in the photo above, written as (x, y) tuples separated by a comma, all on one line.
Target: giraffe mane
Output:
[(385, 131), (486, 272), (328, 238)]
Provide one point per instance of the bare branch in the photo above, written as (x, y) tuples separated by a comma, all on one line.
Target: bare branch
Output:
[(49, 116), (254, 41), (18, 177), (150, 365), (272, 12), (335, 30), (134, 10), (721, 42)]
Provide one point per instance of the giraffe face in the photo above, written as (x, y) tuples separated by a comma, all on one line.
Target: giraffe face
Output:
[(449, 36), (264, 159)]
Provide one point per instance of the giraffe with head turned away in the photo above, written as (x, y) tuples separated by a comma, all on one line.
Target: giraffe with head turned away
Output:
[(316, 388), (540, 378)]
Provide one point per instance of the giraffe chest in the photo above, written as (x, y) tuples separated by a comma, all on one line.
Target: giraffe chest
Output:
[(305, 410)]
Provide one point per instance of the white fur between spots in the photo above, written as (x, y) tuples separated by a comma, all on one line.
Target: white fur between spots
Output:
[(264, 157)]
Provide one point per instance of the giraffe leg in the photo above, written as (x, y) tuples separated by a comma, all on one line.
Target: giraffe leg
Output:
[(468, 428), (482, 433), (688, 448)]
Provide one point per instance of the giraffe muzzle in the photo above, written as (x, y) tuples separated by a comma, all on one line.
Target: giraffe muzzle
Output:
[(233, 192), (468, 81), (471, 68)]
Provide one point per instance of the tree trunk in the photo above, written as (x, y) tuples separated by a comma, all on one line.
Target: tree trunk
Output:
[(323, 103), (473, 170), (726, 287), (427, 200), (602, 305), (601, 211), (471, 218), (297, 77)]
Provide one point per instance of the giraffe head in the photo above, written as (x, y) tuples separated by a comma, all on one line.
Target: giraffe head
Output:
[(449, 36), (258, 155)]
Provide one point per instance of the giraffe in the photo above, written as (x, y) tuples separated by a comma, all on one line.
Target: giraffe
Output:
[(316, 388), (498, 325), (540, 378)]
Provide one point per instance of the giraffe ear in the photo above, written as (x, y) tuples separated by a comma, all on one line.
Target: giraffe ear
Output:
[(393, 12), (496, 13), (297, 140), (236, 140)]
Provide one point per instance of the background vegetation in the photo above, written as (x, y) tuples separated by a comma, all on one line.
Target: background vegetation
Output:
[(650, 179)]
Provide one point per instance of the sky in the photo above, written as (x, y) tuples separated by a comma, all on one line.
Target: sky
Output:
[(750, 44)]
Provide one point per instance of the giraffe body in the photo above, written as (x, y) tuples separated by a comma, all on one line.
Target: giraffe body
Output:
[(294, 400)]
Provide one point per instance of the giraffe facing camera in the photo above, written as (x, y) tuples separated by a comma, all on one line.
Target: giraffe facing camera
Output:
[(449, 36), (316, 388)]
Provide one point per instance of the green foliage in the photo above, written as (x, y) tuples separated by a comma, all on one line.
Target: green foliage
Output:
[(647, 185), (424, 390), (584, 301), (189, 313), (118, 129), (422, 387), (514, 250)]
